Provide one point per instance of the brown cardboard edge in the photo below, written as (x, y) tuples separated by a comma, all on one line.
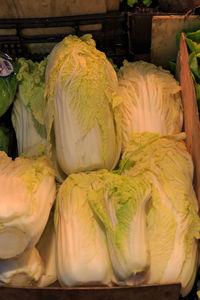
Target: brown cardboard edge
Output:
[(191, 116)]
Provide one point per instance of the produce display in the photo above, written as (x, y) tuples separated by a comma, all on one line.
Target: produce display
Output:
[(101, 192)]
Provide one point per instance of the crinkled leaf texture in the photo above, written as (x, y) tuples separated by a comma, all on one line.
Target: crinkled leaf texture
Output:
[(173, 222), (152, 100), (27, 194), (82, 112)]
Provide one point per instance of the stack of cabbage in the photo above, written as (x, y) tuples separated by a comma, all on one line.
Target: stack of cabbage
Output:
[(146, 212), (136, 224)]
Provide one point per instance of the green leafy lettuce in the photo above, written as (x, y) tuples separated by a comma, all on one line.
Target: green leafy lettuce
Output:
[(193, 42)]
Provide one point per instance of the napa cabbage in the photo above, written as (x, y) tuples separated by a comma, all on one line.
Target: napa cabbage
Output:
[(27, 194), (173, 224), (28, 108), (120, 202), (82, 107), (152, 100), (81, 249), (23, 270)]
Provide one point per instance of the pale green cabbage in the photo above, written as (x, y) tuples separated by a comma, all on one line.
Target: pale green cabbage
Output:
[(152, 100), (82, 112), (101, 226), (28, 108), (27, 194), (82, 255), (173, 223)]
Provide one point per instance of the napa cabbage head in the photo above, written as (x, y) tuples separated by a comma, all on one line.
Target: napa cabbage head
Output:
[(82, 107), (120, 202), (26, 196), (152, 100), (82, 256), (28, 108), (173, 223)]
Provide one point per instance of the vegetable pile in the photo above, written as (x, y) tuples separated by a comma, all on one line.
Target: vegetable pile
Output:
[(101, 192)]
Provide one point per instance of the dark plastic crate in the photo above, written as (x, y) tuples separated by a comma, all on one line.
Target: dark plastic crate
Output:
[(111, 36)]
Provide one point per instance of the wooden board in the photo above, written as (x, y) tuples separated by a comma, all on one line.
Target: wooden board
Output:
[(153, 292), (163, 36), (53, 8), (191, 117)]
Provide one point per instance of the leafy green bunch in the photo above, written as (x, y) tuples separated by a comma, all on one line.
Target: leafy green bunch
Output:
[(131, 3)]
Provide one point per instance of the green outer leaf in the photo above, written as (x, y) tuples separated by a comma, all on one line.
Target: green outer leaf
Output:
[(193, 63), (147, 2), (8, 87), (194, 36), (131, 3), (4, 139)]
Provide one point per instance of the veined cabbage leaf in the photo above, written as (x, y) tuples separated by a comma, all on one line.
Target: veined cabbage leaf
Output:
[(152, 100), (82, 109)]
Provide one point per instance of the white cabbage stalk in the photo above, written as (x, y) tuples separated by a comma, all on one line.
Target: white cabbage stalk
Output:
[(82, 113), (27, 193), (173, 223), (23, 270), (47, 249), (152, 100), (120, 202), (29, 141), (82, 254)]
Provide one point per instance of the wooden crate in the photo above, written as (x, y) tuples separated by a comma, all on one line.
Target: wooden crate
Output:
[(153, 292), (191, 116), (53, 8)]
